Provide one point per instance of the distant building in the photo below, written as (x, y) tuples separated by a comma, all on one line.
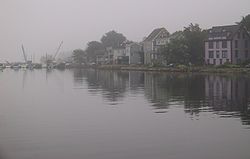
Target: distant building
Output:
[(119, 56), (227, 44), (152, 44), (134, 52)]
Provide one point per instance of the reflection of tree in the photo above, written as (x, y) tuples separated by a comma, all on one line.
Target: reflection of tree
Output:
[(169, 89), (111, 84), (227, 96), (78, 76)]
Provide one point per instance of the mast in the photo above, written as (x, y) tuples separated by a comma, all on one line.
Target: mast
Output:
[(57, 51), (24, 54)]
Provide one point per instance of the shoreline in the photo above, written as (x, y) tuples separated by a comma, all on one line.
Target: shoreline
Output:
[(185, 69), (194, 69)]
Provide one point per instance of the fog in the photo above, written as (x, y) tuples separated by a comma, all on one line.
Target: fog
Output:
[(41, 24)]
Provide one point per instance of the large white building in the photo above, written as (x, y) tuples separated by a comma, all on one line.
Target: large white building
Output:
[(227, 44)]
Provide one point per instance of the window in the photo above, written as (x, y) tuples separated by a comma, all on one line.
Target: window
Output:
[(211, 54), (210, 44), (227, 60), (224, 54), (221, 61), (224, 44), (217, 44), (236, 53), (208, 61), (217, 54), (246, 54), (214, 61), (236, 43), (246, 43)]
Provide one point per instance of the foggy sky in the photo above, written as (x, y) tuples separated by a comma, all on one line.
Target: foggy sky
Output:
[(41, 24)]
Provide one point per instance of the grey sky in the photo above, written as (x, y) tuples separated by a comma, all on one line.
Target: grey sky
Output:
[(41, 24)]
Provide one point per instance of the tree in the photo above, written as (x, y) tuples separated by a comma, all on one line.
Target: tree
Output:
[(94, 48), (79, 56), (195, 37), (246, 22), (176, 50), (113, 39), (186, 46)]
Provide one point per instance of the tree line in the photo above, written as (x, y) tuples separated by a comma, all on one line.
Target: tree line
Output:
[(95, 48), (184, 47)]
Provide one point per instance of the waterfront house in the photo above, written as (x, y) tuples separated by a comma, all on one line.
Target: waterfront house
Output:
[(119, 56), (134, 52), (152, 45), (227, 44)]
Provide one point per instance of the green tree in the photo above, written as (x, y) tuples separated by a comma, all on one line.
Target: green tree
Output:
[(176, 50), (113, 39), (195, 37), (79, 56), (186, 46), (94, 48), (246, 22)]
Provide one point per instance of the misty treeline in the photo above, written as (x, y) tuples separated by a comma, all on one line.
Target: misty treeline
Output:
[(184, 47), (98, 48)]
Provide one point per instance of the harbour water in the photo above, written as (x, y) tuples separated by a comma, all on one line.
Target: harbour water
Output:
[(94, 114)]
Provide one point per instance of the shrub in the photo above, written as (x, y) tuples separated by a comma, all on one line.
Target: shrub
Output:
[(228, 65), (182, 67)]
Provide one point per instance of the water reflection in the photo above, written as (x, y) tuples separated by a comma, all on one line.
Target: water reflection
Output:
[(229, 95), (67, 114), (111, 84), (225, 95)]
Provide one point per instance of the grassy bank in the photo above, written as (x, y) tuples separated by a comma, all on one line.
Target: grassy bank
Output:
[(175, 69)]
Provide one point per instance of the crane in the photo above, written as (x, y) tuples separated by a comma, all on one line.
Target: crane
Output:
[(57, 51), (52, 63), (24, 55), (28, 63)]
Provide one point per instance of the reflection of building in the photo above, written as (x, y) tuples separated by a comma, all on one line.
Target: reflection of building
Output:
[(228, 94), (223, 95), (136, 80), (224, 88), (217, 87)]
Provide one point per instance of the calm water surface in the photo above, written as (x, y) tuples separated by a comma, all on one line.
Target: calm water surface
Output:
[(88, 114)]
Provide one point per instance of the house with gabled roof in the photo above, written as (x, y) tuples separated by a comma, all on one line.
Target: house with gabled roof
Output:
[(229, 44), (152, 45)]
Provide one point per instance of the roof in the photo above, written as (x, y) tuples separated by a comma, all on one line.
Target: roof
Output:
[(134, 43), (223, 31), (154, 34)]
